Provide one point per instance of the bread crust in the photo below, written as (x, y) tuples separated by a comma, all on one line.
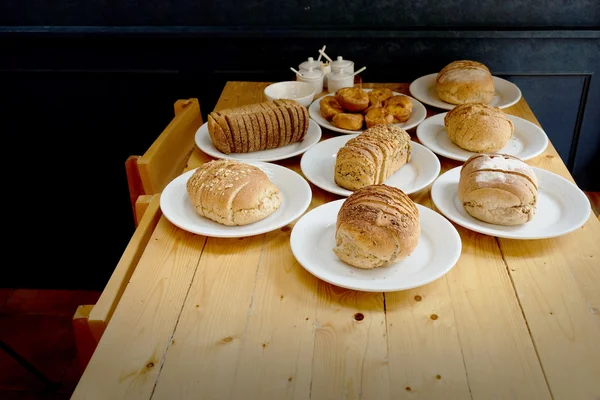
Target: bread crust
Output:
[(465, 81), (329, 107), (376, 226), (232, 193), (478, 127), (400, 107), (351, 122), (377, 116), (352, 99), (217, 135), (498, 189)]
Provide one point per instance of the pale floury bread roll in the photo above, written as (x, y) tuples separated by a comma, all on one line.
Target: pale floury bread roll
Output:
[(376, 226), (498, 189), (478, 127), (465, 82), (232, 193)]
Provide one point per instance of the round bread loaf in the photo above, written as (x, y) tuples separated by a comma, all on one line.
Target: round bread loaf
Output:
[(232, 193), (465, 82), (478, 127), (352, 99), (498, 189), (376, 226)]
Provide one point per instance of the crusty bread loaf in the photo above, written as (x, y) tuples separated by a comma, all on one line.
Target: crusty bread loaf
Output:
[(478, 127), (372, 157), (465, 82), (256, 127), (232, 193), (376, 226), (498, 189)]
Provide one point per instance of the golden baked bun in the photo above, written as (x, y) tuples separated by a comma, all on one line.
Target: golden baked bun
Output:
[(478, 127), (400, 107), (330, 107), (377, 116), (498, 189), (465, 81), (376, 226), (352, 122), (232, 193), (352, 99), (379, 95)]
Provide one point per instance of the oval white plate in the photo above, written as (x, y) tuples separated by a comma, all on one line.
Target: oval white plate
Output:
[(419, 112), (295, 191), (313, 135), (423, 88), (318, 166), (562, 207), (528, 141), (313, 240)]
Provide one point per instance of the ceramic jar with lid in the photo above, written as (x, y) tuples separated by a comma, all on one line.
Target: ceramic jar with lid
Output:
[(345, 65), (310, 63), (314, 76), (339, 78)]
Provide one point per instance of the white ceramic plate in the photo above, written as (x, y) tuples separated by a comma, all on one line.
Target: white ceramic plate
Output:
[(528, 141), (313, 135), (562, 207), (313, 240), (416, 117), (296, 196), (423, 88), (318, 165)]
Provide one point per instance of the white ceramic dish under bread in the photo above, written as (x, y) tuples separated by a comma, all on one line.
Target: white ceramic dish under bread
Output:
[(295, 191), (313, 240), (318, 165), (419, 113), (423, 88), (561, 207), (302, 92), (528, 141), (313, 135)]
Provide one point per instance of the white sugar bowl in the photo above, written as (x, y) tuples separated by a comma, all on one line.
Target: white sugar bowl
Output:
[(345, 65), (310, 63), (313, 76), (339, 79)]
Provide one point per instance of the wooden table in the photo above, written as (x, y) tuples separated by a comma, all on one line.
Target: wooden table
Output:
[(209, 318)]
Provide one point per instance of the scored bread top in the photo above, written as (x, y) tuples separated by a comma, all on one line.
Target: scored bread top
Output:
[(463, 71)]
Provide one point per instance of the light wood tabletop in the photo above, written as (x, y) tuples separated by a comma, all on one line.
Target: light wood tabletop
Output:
[(210, 318)]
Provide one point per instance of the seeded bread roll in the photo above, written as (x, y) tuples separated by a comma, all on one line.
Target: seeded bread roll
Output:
[(478, 127), (465, 81), (257, 127), (372, 157), (376, 226), (498, 189), (232, 193)]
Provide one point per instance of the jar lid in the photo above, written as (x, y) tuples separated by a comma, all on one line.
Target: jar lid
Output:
[(311, 73), (341, 63), (310, 63)]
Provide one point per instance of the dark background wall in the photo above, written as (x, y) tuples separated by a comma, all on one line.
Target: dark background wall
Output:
[(86, 84)]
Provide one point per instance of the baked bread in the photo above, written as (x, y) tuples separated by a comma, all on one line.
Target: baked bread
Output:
[(352, 122), (330, 107), (352, 99), (465, 81), (372, 157), (498, 189), (256, 127), (377, 116), (400, 107), (232, 193), (378, 96), (376, 226), (478, 127)]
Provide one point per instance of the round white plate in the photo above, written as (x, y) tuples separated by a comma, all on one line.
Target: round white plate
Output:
[(318, 166), (313, 135), (528, 141), (562, 207), (423, 88), (419, 112), (313, 240), (295, 191)]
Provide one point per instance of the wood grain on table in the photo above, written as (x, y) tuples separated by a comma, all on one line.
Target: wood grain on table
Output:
[(211, 318)]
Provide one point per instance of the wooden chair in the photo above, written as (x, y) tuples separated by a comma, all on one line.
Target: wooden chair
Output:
[(147, 175)]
